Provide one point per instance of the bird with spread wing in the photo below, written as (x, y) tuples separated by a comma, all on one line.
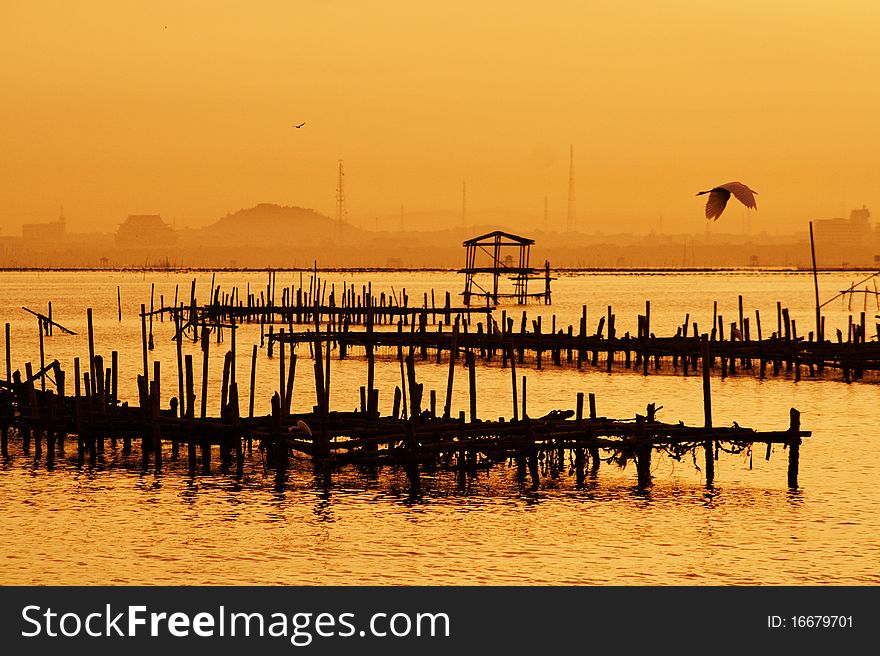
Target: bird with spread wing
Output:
[(718, 197)]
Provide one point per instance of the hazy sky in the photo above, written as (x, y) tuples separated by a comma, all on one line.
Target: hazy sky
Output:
[(186, 108)]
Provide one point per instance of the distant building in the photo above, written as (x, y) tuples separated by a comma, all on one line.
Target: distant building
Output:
[(10, 249), (854, 232), (44, 235), (851, 241), (145, 231)]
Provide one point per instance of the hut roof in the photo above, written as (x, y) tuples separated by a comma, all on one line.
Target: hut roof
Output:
[(489, 239)]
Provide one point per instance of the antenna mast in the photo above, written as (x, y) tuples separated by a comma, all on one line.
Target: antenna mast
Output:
[(340, 199), (463, 204), (571, 212)]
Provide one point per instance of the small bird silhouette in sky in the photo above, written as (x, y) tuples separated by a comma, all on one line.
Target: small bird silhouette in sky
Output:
[(300, 125), (719, 195)]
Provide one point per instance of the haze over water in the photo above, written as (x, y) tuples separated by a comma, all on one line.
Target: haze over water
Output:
[(117, 524)]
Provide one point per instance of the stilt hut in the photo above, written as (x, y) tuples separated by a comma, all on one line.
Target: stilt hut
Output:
[(499, 254)]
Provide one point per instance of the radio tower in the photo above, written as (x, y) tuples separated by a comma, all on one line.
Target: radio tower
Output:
[(571, 214), (464, 204), (546, 216), (340, 199)]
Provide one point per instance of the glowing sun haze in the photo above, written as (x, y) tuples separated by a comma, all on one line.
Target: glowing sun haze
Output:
[(187, 109)]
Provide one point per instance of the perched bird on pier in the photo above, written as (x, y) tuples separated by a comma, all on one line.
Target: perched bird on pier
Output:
[(719, 195), (301, 427)]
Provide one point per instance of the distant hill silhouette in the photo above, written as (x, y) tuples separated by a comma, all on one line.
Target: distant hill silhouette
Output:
[(267, 223), (273, 235)]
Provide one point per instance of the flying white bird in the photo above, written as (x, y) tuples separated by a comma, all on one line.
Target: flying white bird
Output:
[(719, 195)]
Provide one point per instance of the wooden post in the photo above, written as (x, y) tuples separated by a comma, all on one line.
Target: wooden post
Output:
[(236, 436), (282, 359), (119, 302), (288, 391), (819, 336), (4, 430), (280, 446), (609, 362), (326, 377), (534, 471), (206, 345), (524, 397), (180, 390), (433, 405), (42, 355), (472, 385), (763, 362), (594, 451), (99, 373), (224, 387), (35, 414), (190, 414), (794, 448), (49, 400), (87, 386), (447, 408), (152, 293), (143, 417), (154, 421), (371, 364), (579, 451), (232, 330), (513, 382), (395, 412), (646, 337), (93, 388), (707, 412), (642, 454), (143, 341), (415, 399), (253, 381), (8, 355)]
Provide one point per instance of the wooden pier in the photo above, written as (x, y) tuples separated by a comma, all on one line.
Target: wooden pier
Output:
[(416, 436), (783, 353), (435, 326)]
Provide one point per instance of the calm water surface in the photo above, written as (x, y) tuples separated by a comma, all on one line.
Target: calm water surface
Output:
[(116, 524)]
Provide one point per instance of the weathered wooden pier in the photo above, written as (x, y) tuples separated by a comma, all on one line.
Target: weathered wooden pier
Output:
[(737, 347), (784, 352), (416, 436)]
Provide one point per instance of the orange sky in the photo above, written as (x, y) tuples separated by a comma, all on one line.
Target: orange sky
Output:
[(186, 109)]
